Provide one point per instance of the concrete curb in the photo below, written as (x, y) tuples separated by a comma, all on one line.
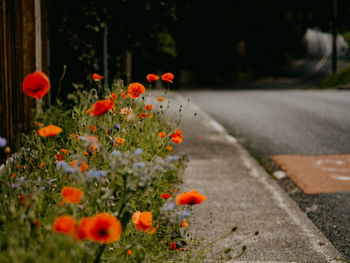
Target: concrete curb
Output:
[(306, 244)]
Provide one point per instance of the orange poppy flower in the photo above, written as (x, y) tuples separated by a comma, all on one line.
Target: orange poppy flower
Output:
[(83, 228), (162, 134), (64, 225), (168, 77), (118, 140), (151, 77), (190, 198), (64, 151), (184, 223), (49, 130), (74, 162), (114, 96), (135, 90), (84, 166), (160, 99), (169, 148), (177, 137), (148, 107), (36, 85), (105, 228), (100, 107), (71, 195), (124, 95), (96, 77), (142, 220), (74, 136), (129, 252), (93, 128)]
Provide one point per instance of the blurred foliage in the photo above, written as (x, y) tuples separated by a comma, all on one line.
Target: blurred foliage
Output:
[(340, 78), (219, 42)]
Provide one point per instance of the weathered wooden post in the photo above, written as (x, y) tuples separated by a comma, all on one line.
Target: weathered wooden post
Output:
[(23, 49)]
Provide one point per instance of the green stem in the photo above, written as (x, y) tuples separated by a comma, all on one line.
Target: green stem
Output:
[(99, 253), (60, 82), (122, 198)]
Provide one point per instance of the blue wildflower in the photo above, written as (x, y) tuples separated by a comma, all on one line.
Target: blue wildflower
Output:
[(22, 179), (112, 141), (185, 214), (116, 153), (61, 164), (138, 151), (69, 169), (53, 180), (117, 126), (96, 174), (139, 165), (172, 158), (169, 207), (23, 216), (3, 142)]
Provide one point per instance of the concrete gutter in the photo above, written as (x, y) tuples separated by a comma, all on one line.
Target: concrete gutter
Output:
[(240, 193)]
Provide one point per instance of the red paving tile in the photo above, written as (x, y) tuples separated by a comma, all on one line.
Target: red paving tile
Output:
[(317, 174)]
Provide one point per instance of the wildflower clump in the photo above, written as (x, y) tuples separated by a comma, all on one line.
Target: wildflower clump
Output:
[(94, 182)]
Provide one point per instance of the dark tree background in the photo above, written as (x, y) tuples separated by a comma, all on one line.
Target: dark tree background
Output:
[(220, 42)]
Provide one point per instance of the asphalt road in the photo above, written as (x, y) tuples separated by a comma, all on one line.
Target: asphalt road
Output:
[(278, 116), (270, 122)]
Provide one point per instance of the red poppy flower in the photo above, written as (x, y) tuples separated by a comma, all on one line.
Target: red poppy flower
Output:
[(190, 198), (135, 90), (100, 107), (151, 77), (49, 130), (96, 77), (105, 228), (165, 196), (36, 85), (168, 77), (59, 157), (148, 107), (177, 136), (143, 115)]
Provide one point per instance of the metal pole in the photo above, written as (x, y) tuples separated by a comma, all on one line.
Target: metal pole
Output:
[(334, 37)]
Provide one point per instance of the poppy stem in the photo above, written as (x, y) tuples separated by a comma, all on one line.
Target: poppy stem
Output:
[(99, 253), (60, 82)]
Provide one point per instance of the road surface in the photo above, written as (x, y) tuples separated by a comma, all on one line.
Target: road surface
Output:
[(281, 117)]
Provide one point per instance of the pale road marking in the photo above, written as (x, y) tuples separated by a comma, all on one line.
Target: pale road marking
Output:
[(217, 126), (281, 202), (340, 178), (230, 138), (319, 163)]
